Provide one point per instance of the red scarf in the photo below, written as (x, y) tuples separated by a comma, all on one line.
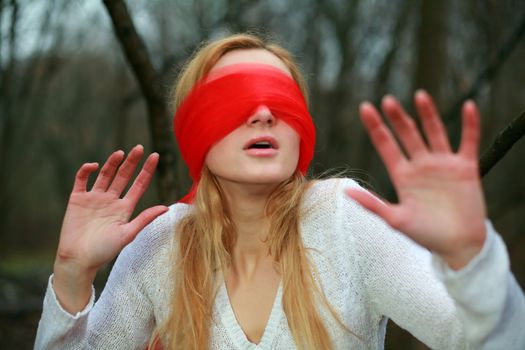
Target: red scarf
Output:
[(223, 100)]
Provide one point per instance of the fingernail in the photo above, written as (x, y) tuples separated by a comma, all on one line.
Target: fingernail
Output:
[(470, 103), (364, 104), (387, 97), (421, 92)]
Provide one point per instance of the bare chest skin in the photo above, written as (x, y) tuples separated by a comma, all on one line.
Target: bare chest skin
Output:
[(252, 301)]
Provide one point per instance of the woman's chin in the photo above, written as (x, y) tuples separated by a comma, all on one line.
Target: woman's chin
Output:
[(270, 179)]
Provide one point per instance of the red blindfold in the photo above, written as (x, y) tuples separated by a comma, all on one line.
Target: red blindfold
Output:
[(224, 100)]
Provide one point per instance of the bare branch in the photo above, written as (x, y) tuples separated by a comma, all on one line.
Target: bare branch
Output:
[(503, 143)]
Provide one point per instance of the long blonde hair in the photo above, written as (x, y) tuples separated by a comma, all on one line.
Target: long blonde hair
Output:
[(204, 239)]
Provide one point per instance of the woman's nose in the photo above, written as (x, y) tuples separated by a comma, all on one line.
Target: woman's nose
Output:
[(262, 115)]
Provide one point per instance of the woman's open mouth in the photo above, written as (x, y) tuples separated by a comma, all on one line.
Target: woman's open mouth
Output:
[(262, 146)]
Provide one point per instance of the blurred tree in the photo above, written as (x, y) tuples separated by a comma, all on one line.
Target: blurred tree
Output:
[(432, 37), (151, 88), (7, 117)]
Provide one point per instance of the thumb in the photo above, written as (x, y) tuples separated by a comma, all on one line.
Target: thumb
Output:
[(142, 220), (372, 203)]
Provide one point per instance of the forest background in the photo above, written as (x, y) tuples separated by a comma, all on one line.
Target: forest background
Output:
[(78, 80)]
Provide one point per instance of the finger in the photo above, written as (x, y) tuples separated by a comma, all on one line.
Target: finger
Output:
[(432, 124), (108, 171), (381, 137), (470, 133), (82, 176), (143, 180), (373, 204), (136, 225), (404, 126), (126, 170)]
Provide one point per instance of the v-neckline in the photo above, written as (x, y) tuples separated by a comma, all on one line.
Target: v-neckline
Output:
[(235, 330)]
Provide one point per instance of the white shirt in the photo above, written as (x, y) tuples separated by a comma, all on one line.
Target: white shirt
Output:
[(368, 271)]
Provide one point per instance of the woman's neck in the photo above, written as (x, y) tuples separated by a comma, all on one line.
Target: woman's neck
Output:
[(247, 204)]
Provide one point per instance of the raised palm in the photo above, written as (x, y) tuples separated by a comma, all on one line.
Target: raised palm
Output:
[(441, 204), (96, 225)]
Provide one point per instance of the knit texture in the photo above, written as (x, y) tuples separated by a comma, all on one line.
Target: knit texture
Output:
[(368, 271)]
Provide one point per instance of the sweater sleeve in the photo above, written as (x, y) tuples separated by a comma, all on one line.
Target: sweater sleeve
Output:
[(489, 301), (478, 307), (123, 317)]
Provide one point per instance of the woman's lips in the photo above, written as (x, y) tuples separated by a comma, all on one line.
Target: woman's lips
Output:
[(261, 152), (262, 138), (267, 141)]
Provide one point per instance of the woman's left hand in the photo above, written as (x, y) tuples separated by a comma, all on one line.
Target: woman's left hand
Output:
[(441, 204)]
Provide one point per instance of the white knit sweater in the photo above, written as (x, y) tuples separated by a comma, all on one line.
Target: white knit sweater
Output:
[(368, 271)]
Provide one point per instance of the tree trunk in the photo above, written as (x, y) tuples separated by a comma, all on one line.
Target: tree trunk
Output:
[(160, 126)]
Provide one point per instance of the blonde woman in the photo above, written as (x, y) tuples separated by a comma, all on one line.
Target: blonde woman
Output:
[(258, 257)]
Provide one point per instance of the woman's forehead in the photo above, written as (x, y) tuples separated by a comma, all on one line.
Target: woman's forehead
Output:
[(251, 56)]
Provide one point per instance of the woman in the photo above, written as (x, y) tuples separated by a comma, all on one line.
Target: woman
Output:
[(256, 257)]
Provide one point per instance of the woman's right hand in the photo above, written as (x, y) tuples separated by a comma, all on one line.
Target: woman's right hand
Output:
[(96, 225)]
